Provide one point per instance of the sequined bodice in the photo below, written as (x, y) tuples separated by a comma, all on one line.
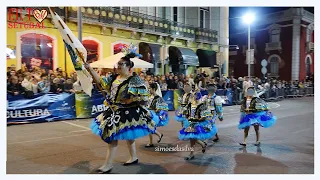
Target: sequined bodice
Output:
[(114, 88), (193, 111), (150, 101), (248, 103), (210, 103)]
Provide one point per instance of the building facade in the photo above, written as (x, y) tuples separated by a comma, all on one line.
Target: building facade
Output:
[(285, 39), (169, 37)]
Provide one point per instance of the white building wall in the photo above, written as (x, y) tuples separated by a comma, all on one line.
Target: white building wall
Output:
[(192, 16), (160, 12), (181, 14), (168, 13), (151, 11), (223, 36), (143, 10)]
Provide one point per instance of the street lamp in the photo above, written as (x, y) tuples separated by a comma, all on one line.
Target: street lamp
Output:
[(248, 19)]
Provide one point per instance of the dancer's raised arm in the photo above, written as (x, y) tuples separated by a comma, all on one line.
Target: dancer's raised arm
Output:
[(92, 72)]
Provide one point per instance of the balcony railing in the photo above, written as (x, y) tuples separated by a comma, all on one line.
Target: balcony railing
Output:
[(273, 46), (206, 35), (233, 53), (252, 46), (121, 18)]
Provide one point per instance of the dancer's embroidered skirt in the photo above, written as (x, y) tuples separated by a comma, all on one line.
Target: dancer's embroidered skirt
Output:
[(126, 124)]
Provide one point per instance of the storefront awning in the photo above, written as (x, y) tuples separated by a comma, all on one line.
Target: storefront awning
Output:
[(182, 56), (155, 52), (150, 52), (207, 58)]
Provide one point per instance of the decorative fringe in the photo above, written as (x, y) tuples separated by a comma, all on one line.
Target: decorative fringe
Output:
[(264, 119), (200, 132), (138, 91), (161, 118)]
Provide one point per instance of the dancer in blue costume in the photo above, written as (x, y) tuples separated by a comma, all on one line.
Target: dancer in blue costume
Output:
[(127, 118), (214, 103), (181, 111), (197, 125), (159, 111), (254, 112)]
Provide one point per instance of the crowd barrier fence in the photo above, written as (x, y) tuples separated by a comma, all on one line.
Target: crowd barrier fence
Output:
[(52, 107)]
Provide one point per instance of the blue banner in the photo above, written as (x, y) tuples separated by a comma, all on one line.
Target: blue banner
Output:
[(47, 107), (87, 106), (50, 107), (168, 98), (226, 95)]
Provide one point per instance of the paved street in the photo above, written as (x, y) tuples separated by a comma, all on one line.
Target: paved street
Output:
[(68, 147)]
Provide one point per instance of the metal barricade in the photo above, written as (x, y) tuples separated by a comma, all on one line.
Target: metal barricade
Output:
[(281, 93), (273, 95), (277, 94), (301, 92), (309, 91), (237, 96), (292, 92), (265, 95)]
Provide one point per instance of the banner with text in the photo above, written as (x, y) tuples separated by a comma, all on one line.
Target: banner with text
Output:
[(87, 106), (47, 107)]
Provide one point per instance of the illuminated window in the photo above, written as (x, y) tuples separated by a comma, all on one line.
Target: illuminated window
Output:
[(92, 50), (274, 66), (204, 17), (308, 66), (37, 51)]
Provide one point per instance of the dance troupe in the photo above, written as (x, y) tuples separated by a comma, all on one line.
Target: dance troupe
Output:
[(134, 111)]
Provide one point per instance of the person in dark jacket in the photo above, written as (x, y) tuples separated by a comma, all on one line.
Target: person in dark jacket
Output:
[(14, 88)]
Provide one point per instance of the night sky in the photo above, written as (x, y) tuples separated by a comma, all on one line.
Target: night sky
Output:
[(235, 21)]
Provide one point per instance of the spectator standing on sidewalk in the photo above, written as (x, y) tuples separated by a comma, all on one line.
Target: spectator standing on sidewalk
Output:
[(28, 85), (14, 88), (68, 86), (44, 84), (56, 87)]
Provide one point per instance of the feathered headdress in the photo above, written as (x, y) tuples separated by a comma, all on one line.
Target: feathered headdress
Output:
[(131, 49)]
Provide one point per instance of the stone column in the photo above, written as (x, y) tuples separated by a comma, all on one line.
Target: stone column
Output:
[(223, 35), (295, 48)]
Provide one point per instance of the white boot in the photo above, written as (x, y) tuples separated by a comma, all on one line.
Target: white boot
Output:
[(133, 154), (111, 152)]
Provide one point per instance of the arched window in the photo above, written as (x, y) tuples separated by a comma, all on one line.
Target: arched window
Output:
[(309, 31), (92, 48), (117, 47), (37, 51), (308, 66), (274, 66)]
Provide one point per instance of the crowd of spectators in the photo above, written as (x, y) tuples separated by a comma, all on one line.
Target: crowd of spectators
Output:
[(30, 82)]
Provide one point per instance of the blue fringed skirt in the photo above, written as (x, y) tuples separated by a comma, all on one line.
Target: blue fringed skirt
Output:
[(161, 118), (197, 130), (126, 124), (179, 117), (264, 119), (219, 111)]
